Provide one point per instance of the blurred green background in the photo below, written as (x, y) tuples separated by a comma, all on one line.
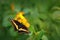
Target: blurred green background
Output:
[(43, 16)]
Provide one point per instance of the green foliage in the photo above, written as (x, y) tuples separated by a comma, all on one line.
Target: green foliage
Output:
[(43, 16)]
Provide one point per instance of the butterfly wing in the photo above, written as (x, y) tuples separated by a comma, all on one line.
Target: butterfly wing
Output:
[(19, 26)]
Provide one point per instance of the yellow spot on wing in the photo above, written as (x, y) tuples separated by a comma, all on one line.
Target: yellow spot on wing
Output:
[(15, 24), (22, 29)]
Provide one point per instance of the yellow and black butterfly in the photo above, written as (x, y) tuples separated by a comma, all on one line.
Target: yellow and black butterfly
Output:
[(20, 23)]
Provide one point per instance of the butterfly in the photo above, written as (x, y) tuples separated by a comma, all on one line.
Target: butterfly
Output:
[(20, 23)]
